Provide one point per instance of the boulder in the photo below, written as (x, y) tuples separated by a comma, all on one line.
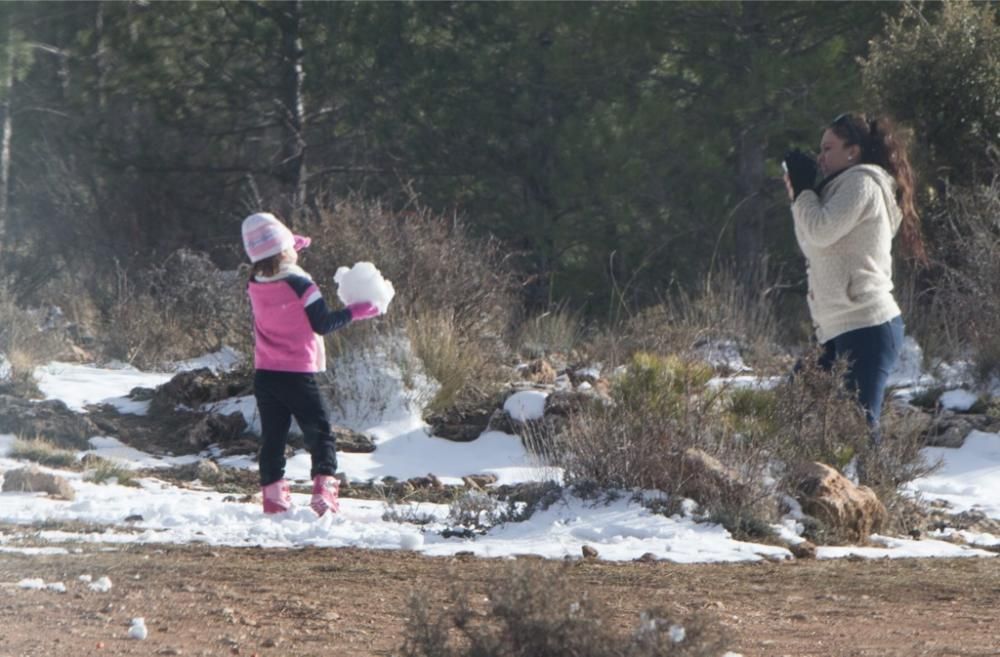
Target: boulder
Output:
[(462, 423), (204, 470), (33, 480), (51, 420), (193, 388), (847, 511)]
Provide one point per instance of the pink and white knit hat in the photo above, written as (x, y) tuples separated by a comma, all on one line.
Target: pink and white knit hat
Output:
[(264, 236)]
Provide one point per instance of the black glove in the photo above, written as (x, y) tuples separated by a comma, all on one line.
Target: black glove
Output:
[(801, 171)]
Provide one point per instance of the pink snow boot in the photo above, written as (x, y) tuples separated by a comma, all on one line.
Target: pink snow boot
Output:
[(277, 497), (326, 490)]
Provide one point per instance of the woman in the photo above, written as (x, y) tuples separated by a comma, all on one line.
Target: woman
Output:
[(845, 229)]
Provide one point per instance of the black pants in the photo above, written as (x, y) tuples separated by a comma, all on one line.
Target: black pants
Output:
[(281, 396), (872, 353)]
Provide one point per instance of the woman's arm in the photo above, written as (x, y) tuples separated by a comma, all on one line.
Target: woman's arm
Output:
[(822, 223)]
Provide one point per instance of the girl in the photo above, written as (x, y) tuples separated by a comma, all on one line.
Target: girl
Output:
[(845, 229), (289, 316)]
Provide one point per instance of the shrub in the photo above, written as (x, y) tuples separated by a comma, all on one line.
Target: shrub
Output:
[(732, 450), (937, 68), (436, 266), (180, 308), (535, 610), (666, 430), (960, 309), (455, 295), (24, 344)]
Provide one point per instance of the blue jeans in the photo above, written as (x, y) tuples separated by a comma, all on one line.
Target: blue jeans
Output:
[(871, 353)]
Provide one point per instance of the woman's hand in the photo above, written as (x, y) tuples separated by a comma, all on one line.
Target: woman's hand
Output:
[(801, 172)]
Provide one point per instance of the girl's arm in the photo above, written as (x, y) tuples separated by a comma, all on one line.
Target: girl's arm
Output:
[(322, 319)]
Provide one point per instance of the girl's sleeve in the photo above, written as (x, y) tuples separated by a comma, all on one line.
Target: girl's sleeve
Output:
[(322, 319), (822, 224)]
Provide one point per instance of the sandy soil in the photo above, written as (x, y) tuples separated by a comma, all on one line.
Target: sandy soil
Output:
[(313, 602)]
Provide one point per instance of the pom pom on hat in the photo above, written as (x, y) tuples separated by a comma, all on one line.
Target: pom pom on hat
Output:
[(265, 236)]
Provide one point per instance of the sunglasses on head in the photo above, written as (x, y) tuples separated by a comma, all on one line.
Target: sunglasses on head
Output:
[(846, 120)]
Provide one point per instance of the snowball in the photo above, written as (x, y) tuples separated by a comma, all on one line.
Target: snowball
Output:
[(33, 584), (103, 585), (410, 541), (526, 405), (138, 629), (363, 282)]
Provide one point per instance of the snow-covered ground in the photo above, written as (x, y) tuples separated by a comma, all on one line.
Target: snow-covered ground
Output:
[(622, 529)]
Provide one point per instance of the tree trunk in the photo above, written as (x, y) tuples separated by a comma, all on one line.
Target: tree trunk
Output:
[(6, 90), (750, 213), (293, 160)]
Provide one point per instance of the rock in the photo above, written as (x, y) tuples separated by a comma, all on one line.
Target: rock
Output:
[(33, 480), (430, 481), (205, 470), (705, 478), (803, 550), (352, 441), (193, 388), (589, 552), (51, 420), (501, 422), (209, 429), (565, 403), (950, 429), (478, 482), (647, 557), (848, 511), (462, 423), (539, 371)]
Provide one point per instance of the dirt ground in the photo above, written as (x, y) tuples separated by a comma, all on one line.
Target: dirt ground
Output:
[(313, 602)]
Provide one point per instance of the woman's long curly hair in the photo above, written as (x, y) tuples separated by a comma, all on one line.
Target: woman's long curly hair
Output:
[(880, 144)]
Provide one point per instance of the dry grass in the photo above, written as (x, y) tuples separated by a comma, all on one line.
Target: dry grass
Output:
[(535, 610), (461, 370), (556, 331), (103, 471), (23, 343), (41, 451), (722, 309)]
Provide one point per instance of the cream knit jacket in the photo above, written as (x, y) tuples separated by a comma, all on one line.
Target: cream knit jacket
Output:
[(846, 234)]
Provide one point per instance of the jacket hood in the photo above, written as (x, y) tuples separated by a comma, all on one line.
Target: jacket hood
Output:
[(887, 185)]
